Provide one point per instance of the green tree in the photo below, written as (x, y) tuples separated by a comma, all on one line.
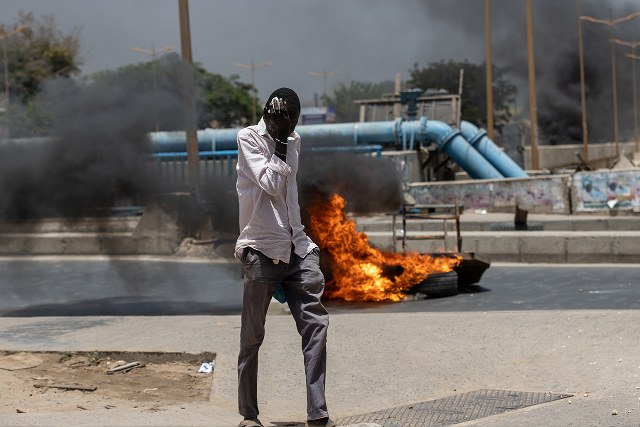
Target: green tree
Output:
[(343, 97), (445, 75), (221, 101), (38, 52)]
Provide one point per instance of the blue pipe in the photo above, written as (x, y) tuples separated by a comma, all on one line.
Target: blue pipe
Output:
[(391, 133), (339, 134), (480, 141), (208, 140), (450, 141)]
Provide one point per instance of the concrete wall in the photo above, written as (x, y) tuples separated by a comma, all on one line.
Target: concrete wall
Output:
[(602, 191), (549, 194)]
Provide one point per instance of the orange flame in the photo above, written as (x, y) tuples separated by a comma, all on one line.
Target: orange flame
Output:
[(359, 272)]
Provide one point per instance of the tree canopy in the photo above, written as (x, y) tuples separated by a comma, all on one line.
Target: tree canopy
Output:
[(344, 95), (445, 75), (38, 51), (221, 101)]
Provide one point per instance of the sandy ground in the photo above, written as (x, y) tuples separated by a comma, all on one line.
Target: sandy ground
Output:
[(54, 381)]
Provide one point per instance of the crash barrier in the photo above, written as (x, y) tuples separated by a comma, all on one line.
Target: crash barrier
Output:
[(593, 191), (171, 169)]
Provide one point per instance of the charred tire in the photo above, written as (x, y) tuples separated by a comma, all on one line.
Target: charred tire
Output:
[(438, 285)]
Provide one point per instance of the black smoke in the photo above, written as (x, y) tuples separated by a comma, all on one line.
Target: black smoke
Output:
[(556, 59), (96, 149), (368, 184)]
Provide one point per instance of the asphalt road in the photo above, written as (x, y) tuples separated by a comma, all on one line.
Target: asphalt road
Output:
[(147, 286)]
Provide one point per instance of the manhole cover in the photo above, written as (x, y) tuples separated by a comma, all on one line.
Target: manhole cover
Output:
[(454, 409)]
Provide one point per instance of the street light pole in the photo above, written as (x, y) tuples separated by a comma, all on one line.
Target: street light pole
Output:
[(489, 67), (323, 75), (611, 23), (632, 45), (5, 60), (153, 52), (254, 92), (533, 108)]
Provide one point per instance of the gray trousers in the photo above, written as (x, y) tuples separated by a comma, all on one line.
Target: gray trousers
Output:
[(303, 284)]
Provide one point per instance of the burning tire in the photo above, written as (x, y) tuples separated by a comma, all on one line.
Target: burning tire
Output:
[(438, 285)]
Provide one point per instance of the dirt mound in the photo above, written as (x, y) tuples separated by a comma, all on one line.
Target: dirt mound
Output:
[(50, 381)]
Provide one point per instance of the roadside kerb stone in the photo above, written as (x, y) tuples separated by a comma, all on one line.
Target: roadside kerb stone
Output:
[(543, 247), (586, 249)]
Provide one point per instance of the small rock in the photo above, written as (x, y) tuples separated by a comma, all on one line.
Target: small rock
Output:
[(569, 402), (614, 412), (21, 411)]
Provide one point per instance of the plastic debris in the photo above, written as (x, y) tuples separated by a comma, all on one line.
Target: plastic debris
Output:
[(207, 368)]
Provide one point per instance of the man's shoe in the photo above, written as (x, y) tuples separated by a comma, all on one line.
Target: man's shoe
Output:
[(250, 422), (322, 422)]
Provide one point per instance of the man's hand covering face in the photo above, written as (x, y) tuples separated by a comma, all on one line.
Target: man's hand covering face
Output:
[(277, 119)]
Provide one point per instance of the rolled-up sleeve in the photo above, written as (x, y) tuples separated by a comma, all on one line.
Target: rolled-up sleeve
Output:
[(265, 169)]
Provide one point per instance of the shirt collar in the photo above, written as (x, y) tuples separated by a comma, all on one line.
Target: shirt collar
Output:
[(262, 129)]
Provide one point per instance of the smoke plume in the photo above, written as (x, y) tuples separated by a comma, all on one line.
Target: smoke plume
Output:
[(96, 148), (556, 59)]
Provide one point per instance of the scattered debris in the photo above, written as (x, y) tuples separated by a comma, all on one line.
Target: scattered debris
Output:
[(67, 387), (125, 368), (207, 368), (18, 361)]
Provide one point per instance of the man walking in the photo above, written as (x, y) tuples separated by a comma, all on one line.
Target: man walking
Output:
[(277, 254)]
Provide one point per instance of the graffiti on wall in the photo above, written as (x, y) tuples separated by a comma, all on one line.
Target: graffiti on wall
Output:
[(603, 190), (538, 194)]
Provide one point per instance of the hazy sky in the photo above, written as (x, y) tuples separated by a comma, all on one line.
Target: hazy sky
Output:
[(365, 40)]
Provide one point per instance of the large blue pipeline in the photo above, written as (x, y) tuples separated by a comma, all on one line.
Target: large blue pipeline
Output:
[(481, 158)]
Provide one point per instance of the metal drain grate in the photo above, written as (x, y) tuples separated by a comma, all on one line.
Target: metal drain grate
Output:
[(454, 409)]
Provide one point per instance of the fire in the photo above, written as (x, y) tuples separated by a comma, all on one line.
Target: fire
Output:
[(359, 272)]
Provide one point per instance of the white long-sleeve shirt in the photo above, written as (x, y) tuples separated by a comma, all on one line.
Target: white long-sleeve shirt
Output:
[(268, 196)]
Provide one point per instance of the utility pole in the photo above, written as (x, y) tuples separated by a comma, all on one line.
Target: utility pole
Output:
[(323, 75), (489, 66), (533, 108), (583, 92), (632, 45), (635, 58), (611, 23), (254, 91), (193, 157)]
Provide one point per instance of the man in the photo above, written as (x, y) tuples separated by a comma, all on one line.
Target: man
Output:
[(276, 253)]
